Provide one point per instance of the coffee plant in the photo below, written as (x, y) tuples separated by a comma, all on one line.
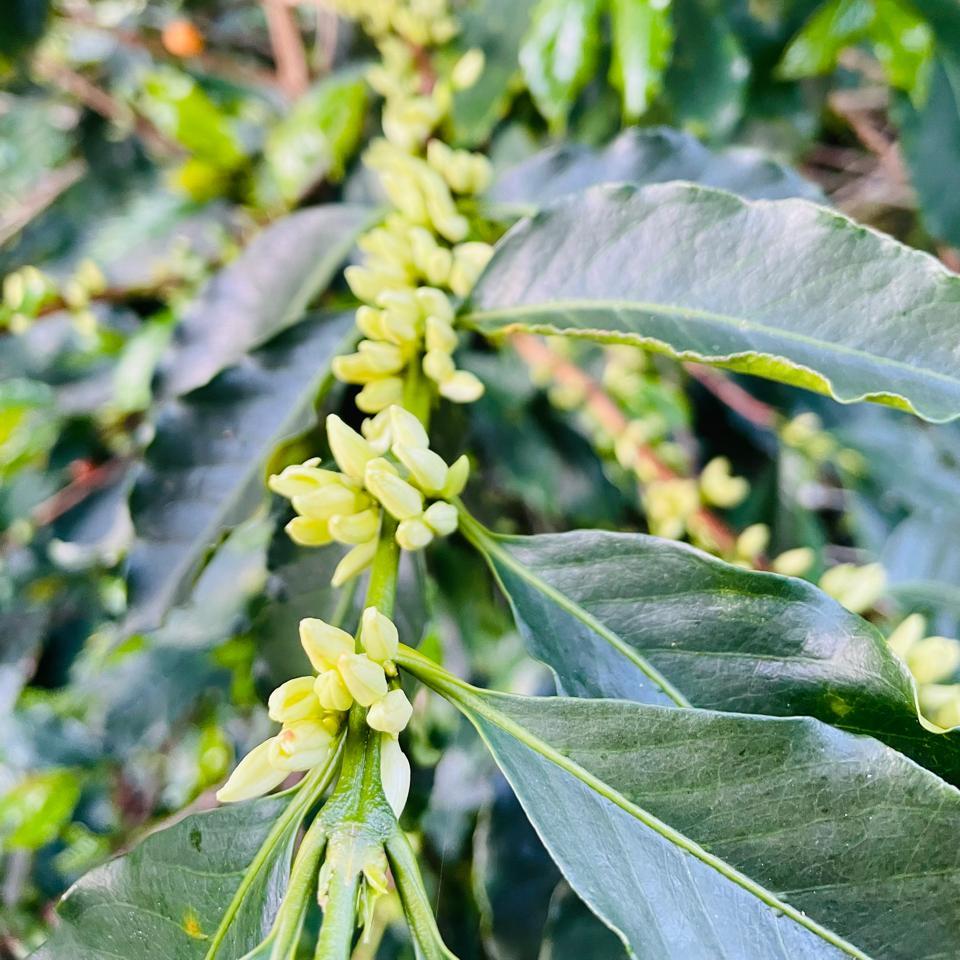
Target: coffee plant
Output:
[(465, 495)]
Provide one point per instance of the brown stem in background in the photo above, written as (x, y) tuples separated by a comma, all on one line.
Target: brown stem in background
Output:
[(754, 411), (293, 75), (87, 481), (608, 414), (45, 193)]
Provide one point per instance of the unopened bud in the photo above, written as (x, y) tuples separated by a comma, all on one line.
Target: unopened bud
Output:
[(934, 659), (379, 636), (354, 563), (435, 303), (394, 773), (399, 498), (325, 502), (380, 394), (413, 534), (355, 528), (407, 429), (294, 700), (391, 714), (753, 541), (427, 469), (365, 679), (349, 449), (466, 71), (908, 633), (324, 644), (719, 487), (441, 517), (457, 476), (307, 532), (254, 776), (440, 336), (302, 478), (438, 365), (301, 745), (462, 387), (332, 692), (794, 563)]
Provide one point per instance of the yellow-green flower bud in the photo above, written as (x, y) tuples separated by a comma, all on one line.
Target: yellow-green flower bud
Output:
[(793, 563), (934, 659), (457, 476), (390, 714), (719, 487), (399, 498), (354, 563), (857, 588), (254, 776), (909, 632), (378, 431), (324, 644), (441, 517), (332, 692), (407, 429), (301, 745), (469, 259), (365, 679), (379, 636), (413, 534), (349, 449), (462, 387), (440, 336), (380, 394), (355, 528), (394, 773), (753, 541), (368, 284), (328, 501), (427, 469), (302, 478), (467, 70), (438, 365), (307, 532), (435, 303), (294, 700), (370, 322), (402, 191)]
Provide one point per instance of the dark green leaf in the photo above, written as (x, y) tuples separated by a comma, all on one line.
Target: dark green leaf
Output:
[(785, 290), (166, 898), (206, 465), (642, 42), (265, 290), (647, 156), (835, 26), (725, 836), (559, 54), (632, 616), (929, 133), (573, 931)]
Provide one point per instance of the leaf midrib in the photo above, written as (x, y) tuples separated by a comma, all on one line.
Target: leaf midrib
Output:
[(689, 313)]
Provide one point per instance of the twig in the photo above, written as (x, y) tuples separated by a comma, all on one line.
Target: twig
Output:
[(99, 101), (752, 410), (293, 75), (44, 194), (608, 414), (88, 481)]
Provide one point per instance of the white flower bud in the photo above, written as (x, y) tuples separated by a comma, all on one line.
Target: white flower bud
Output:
[(301, 478), (254, 776), (355, 562), (438, 365), (378, 431), (399, 498), (407, 429), (441, 517), (719, 487), (909, 632), (413, 534), (365, 679), (469, 259), (457, 477), (394, 773), (934, 659), (328, 501), (301, 745), (391, 714), (370, 322), (467, 70), (435, 303), (324, 644), (753, 541), (306, 532), (440, 336), (462, 387), (379, 636), (349, 449), (332, 692), (294, 700), (355, 528), (427, 469), (380, 394), (794, 563)]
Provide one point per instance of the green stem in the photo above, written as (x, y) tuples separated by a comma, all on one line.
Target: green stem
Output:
[(339, 918), (417, 392), (382, 589)]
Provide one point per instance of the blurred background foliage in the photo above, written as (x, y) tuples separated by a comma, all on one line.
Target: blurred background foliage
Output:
[(178, 188)]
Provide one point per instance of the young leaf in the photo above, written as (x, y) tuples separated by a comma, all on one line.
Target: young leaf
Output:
[(632, 616), (169, 895), (642, 40), (205, 466), (835, 26), (717, 835), (559, 54), (643, 156), (781, 289), (265, 290)]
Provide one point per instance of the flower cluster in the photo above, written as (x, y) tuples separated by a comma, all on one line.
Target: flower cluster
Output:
[(390, 467), (311, 709), (422, 253)]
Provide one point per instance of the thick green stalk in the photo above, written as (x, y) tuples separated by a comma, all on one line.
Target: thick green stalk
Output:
[(339, 918)]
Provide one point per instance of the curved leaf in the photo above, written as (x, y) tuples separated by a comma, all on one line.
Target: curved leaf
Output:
[(644, 156), (167, 897), (265, 290), (780, 289), (727, 836), (205, 467), (631, 616)]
